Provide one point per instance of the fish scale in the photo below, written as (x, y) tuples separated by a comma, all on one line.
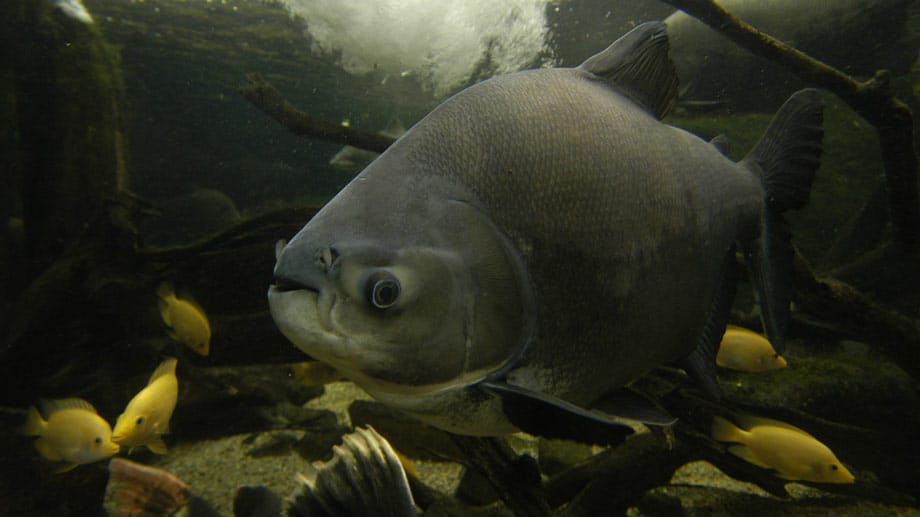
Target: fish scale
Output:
[(595, 226)]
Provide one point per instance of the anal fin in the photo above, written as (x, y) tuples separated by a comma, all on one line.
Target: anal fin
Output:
[(743, 452), (770, 261), (627, 403), (66, 467), (551, 417)]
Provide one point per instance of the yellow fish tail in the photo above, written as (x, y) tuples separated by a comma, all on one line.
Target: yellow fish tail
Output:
[(166, 291), (167, 367), (725, 431), (35, 424)]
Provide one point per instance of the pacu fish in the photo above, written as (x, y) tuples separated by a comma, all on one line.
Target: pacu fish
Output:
[(540, 239), (146, 417), (789, 451), (72, 433)]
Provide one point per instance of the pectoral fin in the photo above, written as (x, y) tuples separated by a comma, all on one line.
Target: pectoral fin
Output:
[(551, 417), (744, 453), (47, 450), (66, 467), (156, 445), (626, 403)]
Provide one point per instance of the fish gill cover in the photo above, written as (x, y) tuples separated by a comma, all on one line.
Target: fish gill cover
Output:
[(443, 44)]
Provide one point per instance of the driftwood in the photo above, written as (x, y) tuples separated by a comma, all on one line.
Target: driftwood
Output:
[(264, 96), (873, 100), (857, 315), (515, 478), (588, 485)]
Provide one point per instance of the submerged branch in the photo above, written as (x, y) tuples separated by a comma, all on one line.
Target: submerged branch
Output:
[(261, 94), (898, 335), (873, 100), (515, 478), (589, 483)]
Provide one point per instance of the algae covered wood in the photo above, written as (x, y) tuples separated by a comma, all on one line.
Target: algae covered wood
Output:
[(63, 149)]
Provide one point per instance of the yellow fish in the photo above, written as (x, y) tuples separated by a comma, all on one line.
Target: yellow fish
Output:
[(747, 351), (147, 416), (789, 451), (186, 320), (315, 373), (73, 433)]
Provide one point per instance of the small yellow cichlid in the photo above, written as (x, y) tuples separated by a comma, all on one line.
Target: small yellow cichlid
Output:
[(147, 416), (73, 433), (747, 351), (315, 373), (789, 451), (186, 320)]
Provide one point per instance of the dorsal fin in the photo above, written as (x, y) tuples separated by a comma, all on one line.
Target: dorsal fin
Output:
[(721, 143), (638, 66), (52, 406), (167, 367)]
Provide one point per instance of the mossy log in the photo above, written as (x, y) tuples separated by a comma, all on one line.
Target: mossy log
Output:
[(264, 96), (64, 152), (516, 478), (857, 315)]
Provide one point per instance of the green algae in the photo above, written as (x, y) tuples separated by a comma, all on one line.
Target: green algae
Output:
[(64, 153)]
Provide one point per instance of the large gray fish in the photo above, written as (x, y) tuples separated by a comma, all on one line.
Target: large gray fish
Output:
[(541, 239)]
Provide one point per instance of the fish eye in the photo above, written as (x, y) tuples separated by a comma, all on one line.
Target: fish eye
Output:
[(834, 467), (140, 420), (98, 440), (382, 289)]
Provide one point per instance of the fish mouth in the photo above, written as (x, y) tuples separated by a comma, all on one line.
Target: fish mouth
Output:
[(302, 314), (282, 286)]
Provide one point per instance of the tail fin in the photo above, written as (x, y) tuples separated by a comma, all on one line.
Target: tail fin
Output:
[(725, 431), (166, 290), (785, 159), (34, 425)]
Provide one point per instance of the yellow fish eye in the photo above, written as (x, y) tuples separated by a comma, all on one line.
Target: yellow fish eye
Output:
[(834, 467), (140, 420), (98, 440)]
